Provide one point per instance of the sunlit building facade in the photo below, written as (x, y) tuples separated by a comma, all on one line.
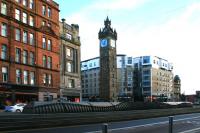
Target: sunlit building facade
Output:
[(29, 50), (70, 62)]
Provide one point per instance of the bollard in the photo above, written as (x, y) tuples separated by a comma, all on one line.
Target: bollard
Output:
[(171, 124), (105, 128)]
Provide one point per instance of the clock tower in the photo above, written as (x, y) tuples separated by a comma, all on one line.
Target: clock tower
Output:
[(108, 65)]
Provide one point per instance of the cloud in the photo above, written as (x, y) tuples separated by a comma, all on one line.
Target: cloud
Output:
[(118, 4), (190, 11), (90, 20), (176, 39)]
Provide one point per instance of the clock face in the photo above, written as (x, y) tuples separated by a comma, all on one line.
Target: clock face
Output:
[(103, 42), (112, 43)]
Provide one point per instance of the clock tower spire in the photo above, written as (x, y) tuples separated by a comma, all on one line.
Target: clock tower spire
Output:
[(108, 66)]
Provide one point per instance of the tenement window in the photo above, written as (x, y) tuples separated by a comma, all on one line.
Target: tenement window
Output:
[(45, 79), (43, 23), (24, 20), (49, 12), (17, 14), (25, 36), (70, 83), (31, 20), (18, 76), (24, 2), (17, 34), (44, 61), (25, 77), (31, 39), (50, 79), (3, 52), (32, 78), (69, 36), (49, 45), (25, 57), (32, 58), (4, 74), (49, 62), (49, 24), (69, 66), (68, 51), (43, 10), (4, 29), (44, 43), (3, 8), (31, 4), (17, 55)]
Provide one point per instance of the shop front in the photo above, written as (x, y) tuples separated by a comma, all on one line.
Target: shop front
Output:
[(12, 93), (72, 95)]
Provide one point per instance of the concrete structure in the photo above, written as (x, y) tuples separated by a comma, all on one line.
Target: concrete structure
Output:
[(108, 66), (155, 80), (90, 71), (140, 78), (125, 77), (70, 62), (29, 50)]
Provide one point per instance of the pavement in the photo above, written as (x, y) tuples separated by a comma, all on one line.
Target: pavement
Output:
[(187, 123)]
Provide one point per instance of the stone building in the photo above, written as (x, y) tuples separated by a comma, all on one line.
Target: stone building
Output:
[(29, 50), (70, 61), (108, 66), (177, 88)]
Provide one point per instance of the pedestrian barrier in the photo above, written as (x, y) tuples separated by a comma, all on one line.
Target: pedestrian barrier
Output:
[(69, 107)]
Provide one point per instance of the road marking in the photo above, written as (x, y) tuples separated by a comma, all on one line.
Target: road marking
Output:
[(146, 125), (190, 131), (187, 118), (126, 128)]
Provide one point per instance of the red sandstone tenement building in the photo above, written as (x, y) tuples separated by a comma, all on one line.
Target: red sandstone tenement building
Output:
[(29, 50)]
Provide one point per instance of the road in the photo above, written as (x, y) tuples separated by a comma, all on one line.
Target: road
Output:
[(188, 123)]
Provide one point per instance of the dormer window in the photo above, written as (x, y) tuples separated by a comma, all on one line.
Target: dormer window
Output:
[(69, 36)]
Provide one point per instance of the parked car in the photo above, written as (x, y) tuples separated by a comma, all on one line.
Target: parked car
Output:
[(15, 108), (2, 106)]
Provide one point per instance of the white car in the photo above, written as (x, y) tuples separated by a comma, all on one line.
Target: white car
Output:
[(15, 108)]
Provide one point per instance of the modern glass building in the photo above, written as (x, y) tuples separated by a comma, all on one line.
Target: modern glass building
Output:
[(140, 78)]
